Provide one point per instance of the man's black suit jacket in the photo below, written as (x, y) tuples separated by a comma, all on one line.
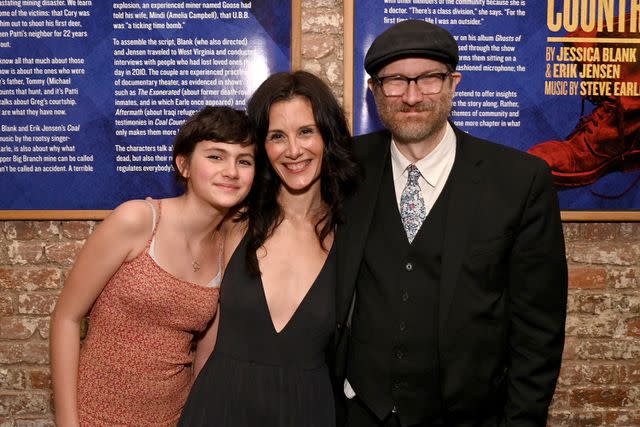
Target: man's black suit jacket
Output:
[(503, 290)]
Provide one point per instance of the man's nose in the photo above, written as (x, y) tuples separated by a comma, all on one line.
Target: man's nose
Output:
[(412, 95)]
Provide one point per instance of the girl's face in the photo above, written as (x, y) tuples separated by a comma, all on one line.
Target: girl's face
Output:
[(220, 173), (294, 144)]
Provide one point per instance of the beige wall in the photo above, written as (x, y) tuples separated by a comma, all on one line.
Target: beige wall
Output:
[(600, 380)]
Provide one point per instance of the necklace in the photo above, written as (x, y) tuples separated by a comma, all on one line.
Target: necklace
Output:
[(195, 264)]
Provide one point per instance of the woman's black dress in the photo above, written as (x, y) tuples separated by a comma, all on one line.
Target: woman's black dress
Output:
[(257, 376)]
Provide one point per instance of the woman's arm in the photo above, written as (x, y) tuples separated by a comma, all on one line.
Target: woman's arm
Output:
[(120, 237)]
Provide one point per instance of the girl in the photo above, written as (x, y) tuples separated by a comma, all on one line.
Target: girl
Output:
[(149, 277)]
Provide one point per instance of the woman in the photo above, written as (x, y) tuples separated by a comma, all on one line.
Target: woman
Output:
[(277, 304), (150, 275)]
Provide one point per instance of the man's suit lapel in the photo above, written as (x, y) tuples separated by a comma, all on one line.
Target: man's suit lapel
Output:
[(463, 197), (353, 236)]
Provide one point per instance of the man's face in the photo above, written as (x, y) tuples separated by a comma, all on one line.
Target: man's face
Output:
[(413, 117)]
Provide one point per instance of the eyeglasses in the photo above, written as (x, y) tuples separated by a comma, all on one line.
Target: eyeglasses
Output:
[(427, 83)]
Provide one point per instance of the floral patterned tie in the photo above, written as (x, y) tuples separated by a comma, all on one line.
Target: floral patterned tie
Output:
[(412, 209)]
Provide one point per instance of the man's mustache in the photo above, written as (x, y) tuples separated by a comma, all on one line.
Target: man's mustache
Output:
[(419, 108)]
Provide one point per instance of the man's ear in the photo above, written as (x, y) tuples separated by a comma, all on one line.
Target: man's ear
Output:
[(182, 162), (371, 83), (455, 79)]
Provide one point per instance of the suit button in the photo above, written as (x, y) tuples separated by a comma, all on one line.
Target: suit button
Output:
[(399, 353), (403, 326), (400, 385), (408, 266), (405, 296), (339, 326), (395, 409)]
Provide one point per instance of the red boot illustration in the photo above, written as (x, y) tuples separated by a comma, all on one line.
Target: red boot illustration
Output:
[(605, 141)]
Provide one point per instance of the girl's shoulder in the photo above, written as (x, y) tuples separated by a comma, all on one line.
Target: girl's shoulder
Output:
[(133, 217)]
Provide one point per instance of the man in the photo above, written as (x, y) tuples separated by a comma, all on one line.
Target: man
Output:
[(452, 271)]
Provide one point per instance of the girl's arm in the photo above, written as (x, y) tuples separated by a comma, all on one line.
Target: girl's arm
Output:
[(120, 237), (205, 345)]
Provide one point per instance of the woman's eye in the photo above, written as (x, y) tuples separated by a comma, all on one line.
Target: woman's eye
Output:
[(307, 131), (276, 136), (213, 157)]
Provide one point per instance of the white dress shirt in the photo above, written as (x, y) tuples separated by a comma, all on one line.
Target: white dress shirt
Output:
[(434, 169)]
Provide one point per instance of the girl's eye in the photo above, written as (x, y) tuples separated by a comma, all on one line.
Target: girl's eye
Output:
[(214, 157), (246, 162)]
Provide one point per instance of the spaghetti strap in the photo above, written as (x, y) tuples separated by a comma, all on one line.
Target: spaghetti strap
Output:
[(217, 280), (220, 254), (151, 242)]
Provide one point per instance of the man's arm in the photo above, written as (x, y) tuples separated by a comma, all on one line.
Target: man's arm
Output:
[(537, 306)]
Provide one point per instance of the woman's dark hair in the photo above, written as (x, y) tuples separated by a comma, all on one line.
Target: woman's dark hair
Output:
[(220, 124), (339, 173)]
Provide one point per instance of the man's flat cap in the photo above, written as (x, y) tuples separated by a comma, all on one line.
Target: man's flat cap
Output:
[(411, 39)]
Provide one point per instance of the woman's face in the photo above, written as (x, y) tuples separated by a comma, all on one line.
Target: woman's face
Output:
[(220, 173), (294, 145)]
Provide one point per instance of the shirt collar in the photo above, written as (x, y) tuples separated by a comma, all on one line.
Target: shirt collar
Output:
[(432, 166)]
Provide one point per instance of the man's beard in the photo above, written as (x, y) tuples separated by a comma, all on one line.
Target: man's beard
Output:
[(409, 130)]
